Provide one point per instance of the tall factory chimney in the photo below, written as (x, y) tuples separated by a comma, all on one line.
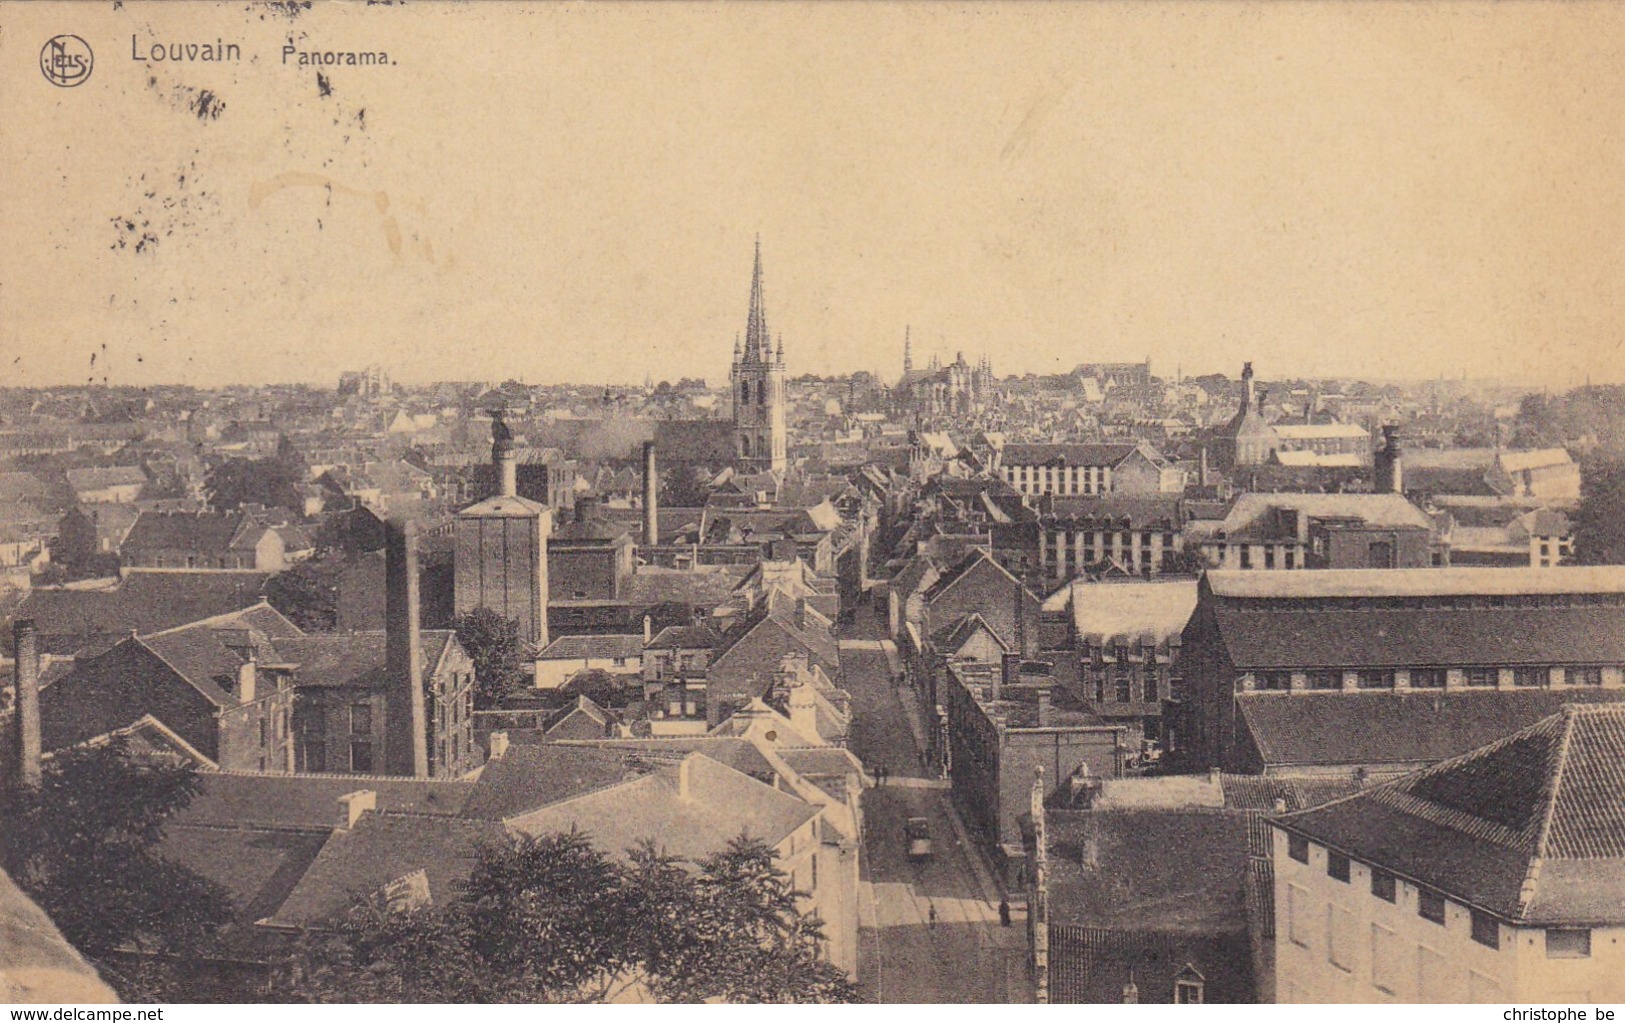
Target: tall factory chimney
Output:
[(651, 496), (1387, 471), (407, 743), (26, 643), (503, 457)]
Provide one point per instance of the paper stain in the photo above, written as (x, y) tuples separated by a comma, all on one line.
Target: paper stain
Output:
[(260, 191)]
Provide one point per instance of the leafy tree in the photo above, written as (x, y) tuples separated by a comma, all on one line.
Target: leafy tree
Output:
[(267, 481), (493, 643), (308, 593), (84, 847), (1599, 521), (683, 485), (554, 919), (601, 687)]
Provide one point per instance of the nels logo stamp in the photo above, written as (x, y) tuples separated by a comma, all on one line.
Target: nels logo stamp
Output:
[(66, 61)]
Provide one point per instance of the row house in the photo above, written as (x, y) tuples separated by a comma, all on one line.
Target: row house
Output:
[(1286, 531), (217, 541), (1125, 535)]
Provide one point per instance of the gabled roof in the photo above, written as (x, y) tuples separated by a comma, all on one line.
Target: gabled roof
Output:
[(143, 602), (594, 647), (309, 801), (1390, 510), (689, 818), (1530, 827), (1109, 613), (1399, 729), (110, 476), (1419, 582), (961, 571), (528, 777), (207, 533), (1106, 454), (205, 654)]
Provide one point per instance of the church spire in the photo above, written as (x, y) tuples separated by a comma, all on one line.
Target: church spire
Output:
[(757, 342)]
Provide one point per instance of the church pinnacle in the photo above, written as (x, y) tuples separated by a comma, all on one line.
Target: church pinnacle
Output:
[(758, 345)]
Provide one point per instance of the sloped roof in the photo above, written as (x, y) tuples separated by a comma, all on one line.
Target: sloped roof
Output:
[(228, 799), (731, 751), (577, 648), (1530, 827), (143, 602), (109, 476), (530, 776), (201, 652), (1538, 458), (36, 963), (210, 533), (718, 805), (1149, 870), (1312, 729), (379, 849), (1067, 454), (1137, 610), (1419, 582), (1388, 510)]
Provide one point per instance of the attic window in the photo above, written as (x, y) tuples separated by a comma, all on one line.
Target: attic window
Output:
[(1337, 866), (1569, 943), (1297, 847), (1430, 905)]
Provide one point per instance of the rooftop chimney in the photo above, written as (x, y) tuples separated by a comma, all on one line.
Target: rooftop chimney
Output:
[(406, 718), (1248, 396), (648, 630), (353, 804), (651, 496), (247, 681), (498, 743), (26, 718), (801, 612)]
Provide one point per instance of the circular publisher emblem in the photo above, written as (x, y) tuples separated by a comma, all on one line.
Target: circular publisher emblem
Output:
[(66, 61)]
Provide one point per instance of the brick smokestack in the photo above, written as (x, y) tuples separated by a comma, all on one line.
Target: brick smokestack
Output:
[(1387, 471), (407, 743), (26, 717), (651, 496)]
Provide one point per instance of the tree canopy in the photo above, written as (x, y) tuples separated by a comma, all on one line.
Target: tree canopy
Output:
[(555, 919), (493, 644), (1599, 521), (84, 847)]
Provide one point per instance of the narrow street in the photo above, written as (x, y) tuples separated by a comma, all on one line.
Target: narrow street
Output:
[(967, 956)]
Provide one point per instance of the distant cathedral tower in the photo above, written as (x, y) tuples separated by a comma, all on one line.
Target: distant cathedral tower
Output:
[(758, 387)]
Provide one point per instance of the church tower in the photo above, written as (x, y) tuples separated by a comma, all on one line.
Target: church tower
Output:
[(758, 388)]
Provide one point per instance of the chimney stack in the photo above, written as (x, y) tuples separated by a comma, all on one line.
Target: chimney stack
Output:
[(407, 742), (247, 681), (651, 496), (504, 458), (26, 717), (353, 804), (1387, 473), (648, 630)]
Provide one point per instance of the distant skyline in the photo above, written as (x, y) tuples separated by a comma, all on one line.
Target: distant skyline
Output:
[(570, 193)]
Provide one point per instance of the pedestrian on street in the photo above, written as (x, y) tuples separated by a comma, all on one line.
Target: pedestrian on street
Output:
[(1004, 912), (931, 917)]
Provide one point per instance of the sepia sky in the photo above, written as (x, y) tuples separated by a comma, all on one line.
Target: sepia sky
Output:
[(559, 192)]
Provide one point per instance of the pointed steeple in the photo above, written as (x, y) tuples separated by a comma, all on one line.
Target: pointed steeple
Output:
[(736, 349), (757, 340), (778, 356)]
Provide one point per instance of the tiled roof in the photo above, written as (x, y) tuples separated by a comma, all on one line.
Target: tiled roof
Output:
[(1530, 827), (1402, 729), (1162, 870), (111, 476), (210, 533), (310, 801), (529, 777), (1418, 582), (731, 751), (575, 648), (685, 637), (1376, 637), (144, 602), (379, 849), (719, 804), (203, 654), (1066, 454), (1249, 511), (1105, 613)]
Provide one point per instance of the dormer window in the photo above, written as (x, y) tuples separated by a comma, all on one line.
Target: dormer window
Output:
[(1189, 986)]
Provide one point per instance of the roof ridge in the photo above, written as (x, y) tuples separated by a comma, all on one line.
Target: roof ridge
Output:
[(215, 618), (1537, 858)]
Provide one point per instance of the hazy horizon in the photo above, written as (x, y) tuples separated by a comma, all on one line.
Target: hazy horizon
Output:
[(570, 193)]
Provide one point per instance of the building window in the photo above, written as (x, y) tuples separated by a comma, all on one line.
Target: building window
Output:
[(1430, 905), (1383, 886), (1274, 681), (1297, 847), (1569, 943), (1482, 678), (1325, 680), (1124, 684), (361, 719), (1529, 678), (1427, 678), (1150, 685), (1584, 676), (1246, 556), (360, 757), (1187, 992), (1337, 866), (1485, 930), (1376, 679)]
